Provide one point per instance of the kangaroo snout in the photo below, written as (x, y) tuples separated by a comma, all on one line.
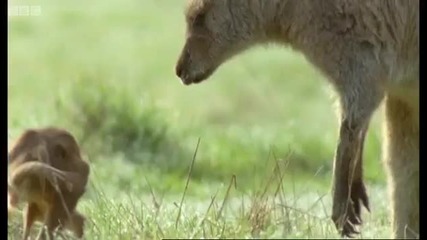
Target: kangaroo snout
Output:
[(181, 68)]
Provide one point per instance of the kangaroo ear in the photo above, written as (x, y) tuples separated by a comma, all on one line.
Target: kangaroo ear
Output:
[(196, 11)]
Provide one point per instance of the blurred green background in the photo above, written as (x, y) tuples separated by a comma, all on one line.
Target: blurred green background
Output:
[(104, 70)]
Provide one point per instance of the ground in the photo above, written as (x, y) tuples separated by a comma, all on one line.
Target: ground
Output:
[(106, 73)]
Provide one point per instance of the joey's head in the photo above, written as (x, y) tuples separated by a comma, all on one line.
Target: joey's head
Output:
[(216, 30)]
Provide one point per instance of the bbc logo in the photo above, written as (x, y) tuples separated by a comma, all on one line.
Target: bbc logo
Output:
[(24, 10)]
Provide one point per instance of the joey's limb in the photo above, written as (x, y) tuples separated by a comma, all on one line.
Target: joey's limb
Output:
[(30, 214)]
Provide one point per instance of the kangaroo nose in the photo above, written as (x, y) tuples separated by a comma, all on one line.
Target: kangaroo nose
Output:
[(182, 63), (179, 69)]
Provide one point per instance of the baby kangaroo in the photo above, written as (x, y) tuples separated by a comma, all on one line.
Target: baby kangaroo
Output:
[(47, 172)]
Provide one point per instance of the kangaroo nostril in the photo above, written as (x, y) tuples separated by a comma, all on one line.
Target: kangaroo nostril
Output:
[(183, 63), (178, 69)]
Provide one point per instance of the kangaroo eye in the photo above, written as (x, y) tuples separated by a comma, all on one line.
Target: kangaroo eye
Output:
[(199, 20)]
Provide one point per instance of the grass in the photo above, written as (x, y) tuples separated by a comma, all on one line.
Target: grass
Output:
[(105, 72)]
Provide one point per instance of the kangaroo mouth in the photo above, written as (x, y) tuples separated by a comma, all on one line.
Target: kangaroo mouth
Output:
[(195, 78)]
